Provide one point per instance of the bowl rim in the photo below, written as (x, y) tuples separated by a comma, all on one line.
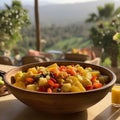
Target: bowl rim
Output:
[(111, 83)]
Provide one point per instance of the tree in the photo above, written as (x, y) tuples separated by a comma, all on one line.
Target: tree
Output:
[(12, 19), (106, 24)]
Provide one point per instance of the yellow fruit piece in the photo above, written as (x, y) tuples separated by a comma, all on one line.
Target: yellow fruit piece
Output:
[(31, 87), (80, 86), (81, 70), (33, 70), (75, 89), (76, 83), (19, 84), (18, 76), (73, 79), (42, 81), (53, 66), (66, 87), (86, 82), (41, 69), (95, 73)]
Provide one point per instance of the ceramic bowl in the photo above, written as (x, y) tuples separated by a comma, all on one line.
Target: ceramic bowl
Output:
[(60, 103)]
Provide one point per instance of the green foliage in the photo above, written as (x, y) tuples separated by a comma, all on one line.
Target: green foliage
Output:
[(55, 34), (106, 11), (12, 20), (106, 24), (73, 42), (57, 38)]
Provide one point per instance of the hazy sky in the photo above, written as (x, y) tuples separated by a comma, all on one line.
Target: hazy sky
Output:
[(50, 1), (31, 2), (67, 1)]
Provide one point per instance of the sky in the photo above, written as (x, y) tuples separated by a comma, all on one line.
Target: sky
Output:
[(67, 1), (31, 2), (44, 2)]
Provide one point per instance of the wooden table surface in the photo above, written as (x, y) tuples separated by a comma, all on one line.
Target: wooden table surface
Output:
[(12, 109)]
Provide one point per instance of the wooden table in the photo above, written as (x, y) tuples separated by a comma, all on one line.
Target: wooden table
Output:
[(12, 109)]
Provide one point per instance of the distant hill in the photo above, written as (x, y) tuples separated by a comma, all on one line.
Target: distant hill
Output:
[(64, 14)]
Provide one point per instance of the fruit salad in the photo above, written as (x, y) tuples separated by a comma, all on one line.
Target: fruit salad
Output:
[(63, 78)]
